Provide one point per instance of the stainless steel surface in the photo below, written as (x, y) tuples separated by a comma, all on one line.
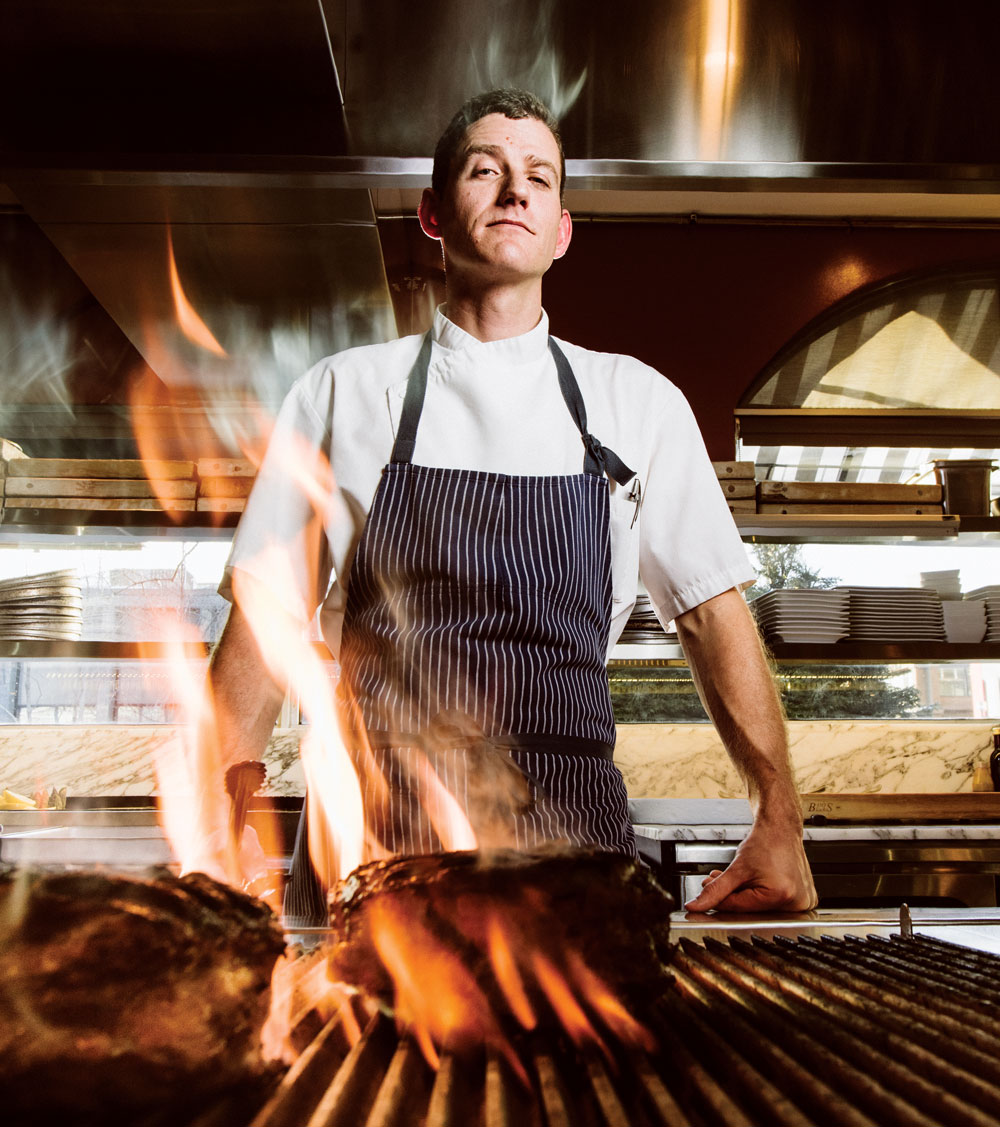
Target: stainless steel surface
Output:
[(255, 136), (758, 1026)]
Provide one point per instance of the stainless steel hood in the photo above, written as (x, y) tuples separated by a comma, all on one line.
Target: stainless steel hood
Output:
[(260, 141), (745, 92)]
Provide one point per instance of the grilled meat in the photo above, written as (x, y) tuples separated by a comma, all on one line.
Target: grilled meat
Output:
[(127, 999), (599, 909)]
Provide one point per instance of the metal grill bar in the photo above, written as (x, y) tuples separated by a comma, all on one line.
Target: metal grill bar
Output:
[(820, 1050), (946, 1037), (777, 1033), (743, 1026), (877, 977)]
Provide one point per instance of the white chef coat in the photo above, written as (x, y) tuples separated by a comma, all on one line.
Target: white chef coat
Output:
[(493, 406)]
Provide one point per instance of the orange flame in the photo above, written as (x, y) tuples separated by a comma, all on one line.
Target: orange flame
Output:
[(446, 816), (469, 970), (436, 996), (193, 810), (191, 324), (508, 977), (336, 810)]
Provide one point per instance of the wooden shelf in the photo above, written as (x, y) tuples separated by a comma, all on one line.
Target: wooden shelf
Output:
[(114, 524), (95, 651), (883, 652)]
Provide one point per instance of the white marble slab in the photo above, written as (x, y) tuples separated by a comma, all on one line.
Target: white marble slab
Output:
[(113, 760), (724, 834), (656, 760), (860, 757)]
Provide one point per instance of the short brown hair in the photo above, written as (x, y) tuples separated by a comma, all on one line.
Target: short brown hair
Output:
[(514, 104)]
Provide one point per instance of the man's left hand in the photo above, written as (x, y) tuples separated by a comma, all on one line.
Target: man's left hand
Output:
[(769, 873)]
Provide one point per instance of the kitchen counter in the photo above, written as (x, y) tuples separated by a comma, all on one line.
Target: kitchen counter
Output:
[(968, 927), (854, 863), (840, 832)]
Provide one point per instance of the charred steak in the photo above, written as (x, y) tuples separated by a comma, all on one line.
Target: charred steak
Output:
[(124, 999), (571, 907)]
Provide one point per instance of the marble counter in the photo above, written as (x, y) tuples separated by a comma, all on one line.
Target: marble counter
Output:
[(733, 834), (839, 756), (656, 760)]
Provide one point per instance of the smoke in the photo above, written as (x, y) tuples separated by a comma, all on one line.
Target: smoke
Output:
[(522, 53), (38, 350)]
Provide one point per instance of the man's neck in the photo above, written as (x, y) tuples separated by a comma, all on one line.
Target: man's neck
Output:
[(497, 314)]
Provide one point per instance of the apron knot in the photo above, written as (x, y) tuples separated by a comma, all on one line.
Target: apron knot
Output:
[(601, 460)]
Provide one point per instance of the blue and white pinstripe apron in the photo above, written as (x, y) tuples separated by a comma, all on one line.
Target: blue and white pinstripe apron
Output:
[(474, 638)]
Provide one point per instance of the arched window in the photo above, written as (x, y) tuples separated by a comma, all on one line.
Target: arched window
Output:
[(889, 378)]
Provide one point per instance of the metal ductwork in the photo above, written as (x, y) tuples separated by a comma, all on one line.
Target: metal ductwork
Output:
[(261, 141)]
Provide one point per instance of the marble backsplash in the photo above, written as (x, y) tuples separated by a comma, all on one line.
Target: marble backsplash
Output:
[(657, 760)]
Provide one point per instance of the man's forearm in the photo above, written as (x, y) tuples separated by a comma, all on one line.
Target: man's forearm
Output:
[(735, 684), (769, 871), (246, 699)]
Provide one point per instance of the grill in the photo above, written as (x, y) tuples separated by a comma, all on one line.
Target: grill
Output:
[(852, 1032)]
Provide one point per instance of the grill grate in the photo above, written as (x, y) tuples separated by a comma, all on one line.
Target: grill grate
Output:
[(771, 1033)]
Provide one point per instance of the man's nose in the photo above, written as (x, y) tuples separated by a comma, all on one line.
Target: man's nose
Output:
[(515, 189)]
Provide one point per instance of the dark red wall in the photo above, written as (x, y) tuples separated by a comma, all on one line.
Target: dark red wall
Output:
[(709, 304)]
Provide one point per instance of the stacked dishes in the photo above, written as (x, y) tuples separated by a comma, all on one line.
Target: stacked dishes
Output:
[(991, 597), (643, 627), (948, 584), (45, 607), (895, 614), (802, 615), (964, 619)]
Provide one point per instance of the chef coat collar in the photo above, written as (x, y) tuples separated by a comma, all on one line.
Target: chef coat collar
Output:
[(528, 347)]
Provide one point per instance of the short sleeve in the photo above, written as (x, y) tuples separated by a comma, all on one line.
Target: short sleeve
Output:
[(690, 549), (280, 538)]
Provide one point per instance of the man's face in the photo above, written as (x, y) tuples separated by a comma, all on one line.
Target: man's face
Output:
[(501, 218)]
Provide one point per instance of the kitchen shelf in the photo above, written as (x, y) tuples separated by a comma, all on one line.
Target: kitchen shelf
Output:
[(836, 653), (886, 529), (24, 523), (89, 651), (884, 652), (83, 650)]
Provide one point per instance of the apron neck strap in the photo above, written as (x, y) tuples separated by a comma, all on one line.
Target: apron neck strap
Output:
[(413, 404), (597, 459)]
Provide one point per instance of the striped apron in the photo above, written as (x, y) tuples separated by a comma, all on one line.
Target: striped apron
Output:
[(473, 653)]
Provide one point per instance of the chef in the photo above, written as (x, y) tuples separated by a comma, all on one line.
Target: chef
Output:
[(497, 493)]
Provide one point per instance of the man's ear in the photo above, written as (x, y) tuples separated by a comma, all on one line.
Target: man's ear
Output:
[(428, 214), (565, 234)]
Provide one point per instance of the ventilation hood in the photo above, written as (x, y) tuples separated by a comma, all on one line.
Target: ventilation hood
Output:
[(252, 147)]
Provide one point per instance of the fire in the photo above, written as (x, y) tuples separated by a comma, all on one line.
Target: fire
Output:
[(189, 773), (472, 965), (437, 996), (190, 322)]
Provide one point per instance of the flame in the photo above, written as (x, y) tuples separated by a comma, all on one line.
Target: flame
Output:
[(336, 809), (300, 986), (508, 976), (437, 998), (193, 809), (564, 1001), (474, 969), (446, 816), (191, 324)]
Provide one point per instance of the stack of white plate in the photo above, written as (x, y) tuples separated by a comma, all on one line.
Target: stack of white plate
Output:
[(895, 614), (991, 597), (643, 626), (965, 619), (948, 584), (45, 607), (802, 615)]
